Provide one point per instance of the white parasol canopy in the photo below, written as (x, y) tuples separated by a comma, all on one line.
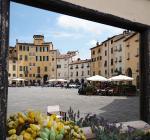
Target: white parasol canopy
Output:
[(52, 80), (62, 80), (18, 79), (121, 78), (57, 80), (97, 78)]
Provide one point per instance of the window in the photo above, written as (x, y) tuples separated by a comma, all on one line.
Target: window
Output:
[(82, 66), (33, 75), (9, 74), (58, 66), (105, 72), (26, 75), (36, 49), (45, 69), (88, 72), (77, 73), (36, 58), (71, 74), (40, 49), (24, 48), (27, 48), (105, 44), (97, 58), (26, 58), (14, 67), (111, 61), (111, 41), (20, 47), (105, 53), (93, 52), (100, 57), (99, 72), (120, 69), (111, 50), (112, 71), (21, 75), (105, 64), (20, 58), (52, 59), (120, 60), (76, 66), (30, 75), (14, 61), (14, 75), (40, 58), (93, 73), (20, 68), (99, 50), (82, 73), (47, 58), (38, 69)]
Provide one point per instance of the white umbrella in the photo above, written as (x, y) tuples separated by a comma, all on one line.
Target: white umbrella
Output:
[(62, 80), (52, 80), (18, 79), (121, 78), (97, 78)]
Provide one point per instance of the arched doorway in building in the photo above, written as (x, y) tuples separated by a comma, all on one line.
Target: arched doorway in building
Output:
[(129, 73), (45, 78)]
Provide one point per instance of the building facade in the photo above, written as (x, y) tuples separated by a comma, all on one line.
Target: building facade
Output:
[(111, 56), (34, 60), (132, 57), (63, 61), (79, 70)]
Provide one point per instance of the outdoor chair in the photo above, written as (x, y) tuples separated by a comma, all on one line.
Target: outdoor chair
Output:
[(55, 109)]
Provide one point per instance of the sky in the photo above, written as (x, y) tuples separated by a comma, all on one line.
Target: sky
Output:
[(65, 32)]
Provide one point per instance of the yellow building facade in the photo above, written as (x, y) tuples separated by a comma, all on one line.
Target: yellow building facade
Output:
[(132, 57), (110, 57), (35, 61)]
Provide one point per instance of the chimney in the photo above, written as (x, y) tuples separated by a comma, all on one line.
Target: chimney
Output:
[(16, 41)]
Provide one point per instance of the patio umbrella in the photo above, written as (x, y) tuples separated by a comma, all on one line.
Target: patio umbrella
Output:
[(62, 80), (18, 79), (97, 78), (121, 78), (52, 80)]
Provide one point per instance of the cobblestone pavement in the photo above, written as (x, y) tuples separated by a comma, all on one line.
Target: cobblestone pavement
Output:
[(112, 108)]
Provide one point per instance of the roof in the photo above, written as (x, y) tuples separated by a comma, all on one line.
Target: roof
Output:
[(63, 56), (80, 61), (133, 34), (38, 36)]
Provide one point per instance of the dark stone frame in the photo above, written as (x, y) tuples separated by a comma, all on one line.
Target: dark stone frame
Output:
[(81, 12)]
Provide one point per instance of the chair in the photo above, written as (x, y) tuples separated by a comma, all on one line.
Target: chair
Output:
[(55, 109)]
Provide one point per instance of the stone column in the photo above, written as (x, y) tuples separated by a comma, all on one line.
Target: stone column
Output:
[(4, 43), (145, 75)]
